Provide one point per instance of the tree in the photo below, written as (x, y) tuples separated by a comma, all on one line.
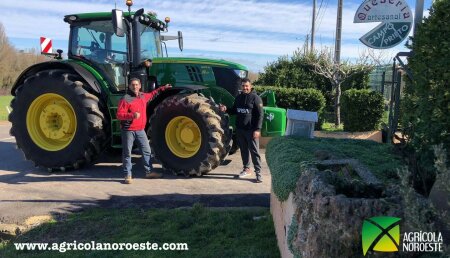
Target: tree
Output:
[(293, 72), (426, 103), (13, 62), (7, 58), (299, 71), (337, 74)]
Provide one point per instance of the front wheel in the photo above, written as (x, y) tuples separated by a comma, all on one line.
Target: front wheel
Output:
[(56, 122), (189, 135)]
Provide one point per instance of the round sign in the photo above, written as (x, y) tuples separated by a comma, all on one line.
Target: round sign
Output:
[(396, 22)]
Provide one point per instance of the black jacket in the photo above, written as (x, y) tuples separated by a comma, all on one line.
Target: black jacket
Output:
[(248, 109)]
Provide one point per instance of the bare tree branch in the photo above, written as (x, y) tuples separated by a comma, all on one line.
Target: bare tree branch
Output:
[(324, 65)]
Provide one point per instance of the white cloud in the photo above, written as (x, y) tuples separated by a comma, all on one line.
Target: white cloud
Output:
[(238, 15), (18, 25), (247, 26), (51, 7)]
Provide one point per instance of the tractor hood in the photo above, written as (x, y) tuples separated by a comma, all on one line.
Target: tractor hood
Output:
[(205, 61)]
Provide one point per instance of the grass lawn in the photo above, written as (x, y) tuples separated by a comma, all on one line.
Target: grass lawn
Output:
[(331, 127), (207, 232), (4, 102)]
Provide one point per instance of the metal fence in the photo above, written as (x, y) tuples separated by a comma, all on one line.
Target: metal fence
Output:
[(380, 79)]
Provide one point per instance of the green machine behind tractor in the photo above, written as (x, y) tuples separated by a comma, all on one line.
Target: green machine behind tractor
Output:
[(64, 110)]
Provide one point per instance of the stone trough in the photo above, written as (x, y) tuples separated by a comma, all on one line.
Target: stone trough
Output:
[(323, 217)]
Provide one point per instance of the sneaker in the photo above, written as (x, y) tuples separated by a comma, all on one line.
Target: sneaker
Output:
[(127, 180), (153, 175), (244, 173), (258, 179)]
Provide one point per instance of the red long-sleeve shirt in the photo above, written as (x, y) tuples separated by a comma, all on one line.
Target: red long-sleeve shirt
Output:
[(129, 104)]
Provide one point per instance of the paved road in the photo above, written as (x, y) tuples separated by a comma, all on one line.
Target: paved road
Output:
[(27, 191)]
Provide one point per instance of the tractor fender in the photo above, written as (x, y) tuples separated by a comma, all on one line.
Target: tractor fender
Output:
[(170, 92), (85, 74)]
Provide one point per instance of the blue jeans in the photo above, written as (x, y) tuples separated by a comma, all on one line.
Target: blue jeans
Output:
[(128, 138)]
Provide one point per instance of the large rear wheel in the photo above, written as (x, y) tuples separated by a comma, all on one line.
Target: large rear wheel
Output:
[(189, 135), (56, 122)]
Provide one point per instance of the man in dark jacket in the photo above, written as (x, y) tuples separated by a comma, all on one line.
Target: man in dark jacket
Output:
[(132, 113), (248, 108)]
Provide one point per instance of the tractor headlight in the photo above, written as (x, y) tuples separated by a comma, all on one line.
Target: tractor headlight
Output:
[(241, 73)]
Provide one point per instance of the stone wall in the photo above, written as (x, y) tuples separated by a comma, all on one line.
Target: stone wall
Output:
[(325, 213)]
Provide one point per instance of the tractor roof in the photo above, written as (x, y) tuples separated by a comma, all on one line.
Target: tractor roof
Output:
[(101, 16)]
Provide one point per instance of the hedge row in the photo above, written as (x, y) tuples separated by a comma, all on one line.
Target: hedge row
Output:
[(362, 110), (293, 98)]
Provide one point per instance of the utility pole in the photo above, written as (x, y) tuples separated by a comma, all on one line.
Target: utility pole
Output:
[(313, 26), (337, 62), (337, 45), (418, 16), (306, 43)]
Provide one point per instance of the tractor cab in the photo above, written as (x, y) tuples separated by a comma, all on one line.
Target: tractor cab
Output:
[(117, 56)]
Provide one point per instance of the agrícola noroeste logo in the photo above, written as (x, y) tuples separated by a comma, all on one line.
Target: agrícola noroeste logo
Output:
[(382, 234)]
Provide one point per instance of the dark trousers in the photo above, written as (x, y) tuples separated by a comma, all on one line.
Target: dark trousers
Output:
[(249, 147)]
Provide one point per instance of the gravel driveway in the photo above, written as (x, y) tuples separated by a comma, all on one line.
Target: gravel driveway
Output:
[(26, 191)]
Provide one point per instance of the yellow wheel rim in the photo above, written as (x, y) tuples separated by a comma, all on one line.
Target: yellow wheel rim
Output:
[(183, 137), (51, 122)]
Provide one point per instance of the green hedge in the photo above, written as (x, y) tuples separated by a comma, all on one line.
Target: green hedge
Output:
[(362, 110), (292, 98)]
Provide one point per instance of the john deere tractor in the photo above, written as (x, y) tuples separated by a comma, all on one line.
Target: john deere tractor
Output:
[(64, 111)]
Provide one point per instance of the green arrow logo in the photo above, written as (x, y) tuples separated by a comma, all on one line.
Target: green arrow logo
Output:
[(381, 234)]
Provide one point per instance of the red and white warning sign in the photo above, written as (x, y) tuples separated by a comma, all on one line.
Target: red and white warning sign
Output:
[(46, 46)]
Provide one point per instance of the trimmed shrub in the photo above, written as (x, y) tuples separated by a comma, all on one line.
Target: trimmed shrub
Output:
[(357, 80), (362, 110), (292, 98)]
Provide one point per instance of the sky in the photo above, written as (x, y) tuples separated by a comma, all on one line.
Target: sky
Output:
[(252, 33)]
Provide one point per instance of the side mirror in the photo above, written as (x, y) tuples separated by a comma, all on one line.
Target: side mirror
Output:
[(167, 37), (180, 40), (118, 24)]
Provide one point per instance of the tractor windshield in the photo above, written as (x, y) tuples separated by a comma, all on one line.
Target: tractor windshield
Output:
[(150, 43), (95, 41)]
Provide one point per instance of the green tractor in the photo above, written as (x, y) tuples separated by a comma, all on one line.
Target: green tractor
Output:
[(64, 111)]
